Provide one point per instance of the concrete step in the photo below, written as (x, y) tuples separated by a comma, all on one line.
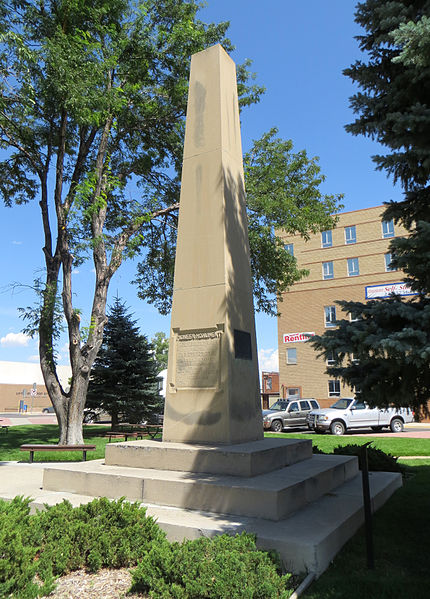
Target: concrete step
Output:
[(241, 459), (307, 540), (272, 496)]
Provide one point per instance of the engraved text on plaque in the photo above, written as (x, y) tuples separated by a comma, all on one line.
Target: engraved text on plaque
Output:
[(197, 359)]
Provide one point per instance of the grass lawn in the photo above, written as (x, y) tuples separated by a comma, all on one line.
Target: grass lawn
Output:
[(47, 434), (401, 532), (395, 446)]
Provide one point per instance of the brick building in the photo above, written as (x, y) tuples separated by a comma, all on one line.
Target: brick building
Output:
[(350, 262)]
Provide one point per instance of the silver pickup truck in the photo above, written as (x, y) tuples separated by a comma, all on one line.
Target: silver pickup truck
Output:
[(348, 413), (287, 413)]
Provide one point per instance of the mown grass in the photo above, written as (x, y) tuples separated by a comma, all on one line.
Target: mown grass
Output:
[(401, 534), (400, 446), (47, 434)]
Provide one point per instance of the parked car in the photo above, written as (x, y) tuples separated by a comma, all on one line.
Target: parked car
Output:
[(349, 413), (49, 410), (287, 413)]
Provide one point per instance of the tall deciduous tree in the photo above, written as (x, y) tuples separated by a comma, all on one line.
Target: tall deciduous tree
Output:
[(92, 100), (92, 106), (283, 196), (160, 344), (124, 379), (391, 339)]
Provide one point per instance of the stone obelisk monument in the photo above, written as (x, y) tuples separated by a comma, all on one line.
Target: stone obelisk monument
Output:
[(213, 392)]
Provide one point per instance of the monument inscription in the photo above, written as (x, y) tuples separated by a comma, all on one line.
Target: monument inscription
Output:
[(197, 359)]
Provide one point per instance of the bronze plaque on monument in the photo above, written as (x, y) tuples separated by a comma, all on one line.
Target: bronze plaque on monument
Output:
[(197, 357)]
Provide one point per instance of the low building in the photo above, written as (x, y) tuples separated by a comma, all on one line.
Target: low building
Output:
[(22, 387), (269, 388), (351, 262)]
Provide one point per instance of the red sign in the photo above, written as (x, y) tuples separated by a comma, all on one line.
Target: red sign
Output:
[(297, 337)]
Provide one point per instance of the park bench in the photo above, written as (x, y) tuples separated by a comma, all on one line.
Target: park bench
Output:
[(122, 435), (39, 447), (151, 429)]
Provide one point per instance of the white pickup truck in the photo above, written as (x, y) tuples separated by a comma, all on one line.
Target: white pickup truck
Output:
[(348, 413)]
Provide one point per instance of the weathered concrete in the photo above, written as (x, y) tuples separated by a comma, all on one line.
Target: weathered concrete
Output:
[(307, 540), (213, 392), (273, 495), (241, 459)]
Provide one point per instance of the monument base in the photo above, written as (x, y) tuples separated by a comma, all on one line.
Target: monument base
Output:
[(241, 459), (305, 511)]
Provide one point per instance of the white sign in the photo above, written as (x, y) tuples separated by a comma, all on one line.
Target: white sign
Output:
[(376, 291), (297, 337)]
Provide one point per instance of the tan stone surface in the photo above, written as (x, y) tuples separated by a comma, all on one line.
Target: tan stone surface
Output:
[(212, 395)]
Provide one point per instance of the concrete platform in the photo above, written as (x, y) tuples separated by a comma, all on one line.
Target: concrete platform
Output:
[(307, 540), (242, 459), (272, 496)]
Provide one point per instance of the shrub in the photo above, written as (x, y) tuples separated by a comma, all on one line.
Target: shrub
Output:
[(34, 549), (215, 568), (100, 534), (18, 551), (378, 460)]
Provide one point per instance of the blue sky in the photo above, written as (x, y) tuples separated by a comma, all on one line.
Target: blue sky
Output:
[(299, 50)]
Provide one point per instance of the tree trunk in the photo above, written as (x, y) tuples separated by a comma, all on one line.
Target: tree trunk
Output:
[(114, 420)]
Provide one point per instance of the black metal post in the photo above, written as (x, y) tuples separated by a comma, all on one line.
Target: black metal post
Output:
[(367, 507)]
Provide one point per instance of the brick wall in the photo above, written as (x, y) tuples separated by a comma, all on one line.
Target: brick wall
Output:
[(302, 308)]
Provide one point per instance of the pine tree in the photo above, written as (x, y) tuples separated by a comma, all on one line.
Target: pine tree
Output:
[(386, 352), (124, 379)]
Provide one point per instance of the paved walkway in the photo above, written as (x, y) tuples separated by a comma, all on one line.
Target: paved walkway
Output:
[(15, 420)]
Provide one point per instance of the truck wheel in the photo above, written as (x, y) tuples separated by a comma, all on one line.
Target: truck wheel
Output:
[(276, 426), (337, 428), (396, 425), (376, 429)]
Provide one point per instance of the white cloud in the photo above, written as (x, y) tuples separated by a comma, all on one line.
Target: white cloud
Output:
[(33, 358), (75, 271), (15, 340), (14, 242), (268, 360)]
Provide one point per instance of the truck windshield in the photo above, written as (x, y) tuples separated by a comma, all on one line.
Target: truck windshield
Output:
[(342, 404), (279, 405)]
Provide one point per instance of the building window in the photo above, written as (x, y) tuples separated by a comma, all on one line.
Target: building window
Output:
[(353, 268), (291, 355), (289, 247), (331, 358), (326, 239), (353, 317), (330, 316), (388, 258), (327, 268), (268, 383), (293, 392), (350, 235), (387, 228), (334, 388)]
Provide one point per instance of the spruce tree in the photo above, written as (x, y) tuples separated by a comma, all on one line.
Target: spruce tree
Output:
[(124, 379), (386, 352)]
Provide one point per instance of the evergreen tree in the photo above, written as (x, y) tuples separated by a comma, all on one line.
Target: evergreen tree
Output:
[(124, 379), (391, 339)]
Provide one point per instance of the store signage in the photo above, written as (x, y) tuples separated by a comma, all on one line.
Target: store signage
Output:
[(377, 291), (297, 337)]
